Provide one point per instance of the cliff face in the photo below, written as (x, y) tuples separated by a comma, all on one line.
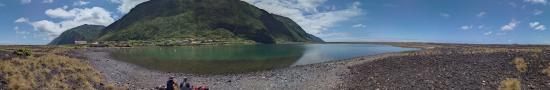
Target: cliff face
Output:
[(204, 19)]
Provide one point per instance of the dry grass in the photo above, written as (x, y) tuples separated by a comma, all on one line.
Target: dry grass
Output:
[(510, 84), (520, 64), (50, 72), (547, 70)]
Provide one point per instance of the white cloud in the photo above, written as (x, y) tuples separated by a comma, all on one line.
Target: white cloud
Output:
[(480, 27), (537, 1), (481, 14), (466, 27), (488, 33), (445, 15), (80, 3), (47, 26), (359, 26), (21, 20), (25, 1), (533, 24), (510, 26), (50, 1), (72, 18), (538, 12), (540, 28), (62, 13), (305, 12), (127, 5), (537, 26)]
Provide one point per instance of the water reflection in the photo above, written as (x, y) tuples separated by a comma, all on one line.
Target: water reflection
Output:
[(317, 53), (212, 59), (243, 58)]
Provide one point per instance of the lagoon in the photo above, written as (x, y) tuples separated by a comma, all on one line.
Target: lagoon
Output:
[(219, 59)]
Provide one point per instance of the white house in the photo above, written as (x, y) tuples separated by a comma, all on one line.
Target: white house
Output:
[(80, 42)]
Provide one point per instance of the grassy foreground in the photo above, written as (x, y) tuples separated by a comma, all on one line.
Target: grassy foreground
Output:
[(48, 69)]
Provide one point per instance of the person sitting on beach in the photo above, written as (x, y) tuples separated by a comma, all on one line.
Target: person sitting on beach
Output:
[(187, 86), (184, 85), (170, 83)]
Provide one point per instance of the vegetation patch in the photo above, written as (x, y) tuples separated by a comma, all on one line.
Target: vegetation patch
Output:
[(510, 84), (23, 52), (520, 64), (547, 70), (49, 72)]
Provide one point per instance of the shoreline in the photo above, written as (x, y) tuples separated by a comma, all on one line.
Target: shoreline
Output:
[(323, 76), (359, 72)]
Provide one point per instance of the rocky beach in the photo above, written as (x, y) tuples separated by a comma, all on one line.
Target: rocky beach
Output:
[(436, 66), (322, 76)]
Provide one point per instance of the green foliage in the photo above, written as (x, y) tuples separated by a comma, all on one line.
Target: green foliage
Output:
[(204, 19), (24, 52), (296, 31), (80, 33)]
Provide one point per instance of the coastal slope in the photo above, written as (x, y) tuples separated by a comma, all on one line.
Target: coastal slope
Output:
[(80, 33), (226, 20)]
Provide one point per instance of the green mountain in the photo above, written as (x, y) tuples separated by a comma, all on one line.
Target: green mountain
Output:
[(80, 33), (204, 19)]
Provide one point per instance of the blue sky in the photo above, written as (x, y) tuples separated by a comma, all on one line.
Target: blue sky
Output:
[(449, 21)]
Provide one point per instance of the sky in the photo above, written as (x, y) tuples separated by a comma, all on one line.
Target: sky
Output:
[(37, 22)]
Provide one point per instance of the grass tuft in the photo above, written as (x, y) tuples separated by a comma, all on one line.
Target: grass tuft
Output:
[(520, 64), (510, 84), (49, 72), (547, 70)]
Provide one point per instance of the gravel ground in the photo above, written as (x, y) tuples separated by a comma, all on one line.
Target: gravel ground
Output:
[(4, 55), (449, 71)]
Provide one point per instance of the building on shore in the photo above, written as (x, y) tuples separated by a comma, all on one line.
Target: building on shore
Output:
[(80, 42)]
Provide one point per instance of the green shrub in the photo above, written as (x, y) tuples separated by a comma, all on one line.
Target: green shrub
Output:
[(23, 52)]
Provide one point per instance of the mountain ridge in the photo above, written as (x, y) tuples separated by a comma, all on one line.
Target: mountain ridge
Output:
[(210, 19), (81, 33)]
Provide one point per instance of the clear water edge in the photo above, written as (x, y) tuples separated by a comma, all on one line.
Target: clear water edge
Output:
[(244, 58)]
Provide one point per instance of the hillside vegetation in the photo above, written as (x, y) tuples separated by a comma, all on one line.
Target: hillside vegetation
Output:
[(204, 19), (80, 33)]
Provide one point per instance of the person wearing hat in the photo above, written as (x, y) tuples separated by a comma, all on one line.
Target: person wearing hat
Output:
[(171, 83)]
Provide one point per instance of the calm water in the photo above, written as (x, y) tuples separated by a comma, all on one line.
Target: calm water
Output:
[(243, 58)]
